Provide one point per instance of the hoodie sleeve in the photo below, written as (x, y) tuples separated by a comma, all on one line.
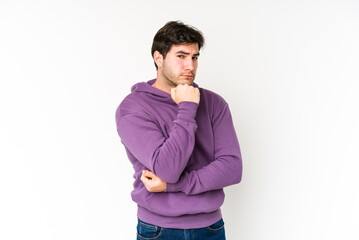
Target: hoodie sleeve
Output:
[(165, 157), (225, 170)]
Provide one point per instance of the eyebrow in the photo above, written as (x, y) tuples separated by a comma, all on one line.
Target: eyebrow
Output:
[(187, 53)]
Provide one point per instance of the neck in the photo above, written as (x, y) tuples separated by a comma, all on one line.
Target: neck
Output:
[(161, 84)]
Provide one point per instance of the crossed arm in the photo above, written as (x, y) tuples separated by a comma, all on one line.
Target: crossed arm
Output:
[(152, 182), (167, 159), (224, 170)]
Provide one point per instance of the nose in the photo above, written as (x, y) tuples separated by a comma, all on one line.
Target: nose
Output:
[(189, 64)]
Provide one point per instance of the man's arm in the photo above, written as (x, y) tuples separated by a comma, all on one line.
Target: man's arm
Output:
[(152, 182), (165, 157), (225, 170)]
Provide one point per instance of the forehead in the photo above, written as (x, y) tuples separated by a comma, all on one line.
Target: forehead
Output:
[(191, 48)]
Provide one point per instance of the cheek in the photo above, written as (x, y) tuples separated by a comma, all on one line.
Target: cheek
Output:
[(178, 65)]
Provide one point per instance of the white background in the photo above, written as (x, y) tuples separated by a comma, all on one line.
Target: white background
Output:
[(289, 70)]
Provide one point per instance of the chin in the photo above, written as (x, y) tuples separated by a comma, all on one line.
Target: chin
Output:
[(187, 81)]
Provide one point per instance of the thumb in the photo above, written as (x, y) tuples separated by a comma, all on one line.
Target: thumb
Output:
[(173, 93)]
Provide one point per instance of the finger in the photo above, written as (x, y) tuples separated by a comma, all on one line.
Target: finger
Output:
[(143, 179), (173, 92), (182, 86), (146, 182), (149, 174), (197, 92)]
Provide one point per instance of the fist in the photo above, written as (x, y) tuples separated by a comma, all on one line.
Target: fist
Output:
[(185, 92), (152, 182)]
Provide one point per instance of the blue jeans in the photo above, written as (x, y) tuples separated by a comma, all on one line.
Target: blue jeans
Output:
[(146, 231)]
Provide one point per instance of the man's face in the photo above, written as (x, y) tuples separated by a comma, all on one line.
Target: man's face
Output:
[(180, 64)]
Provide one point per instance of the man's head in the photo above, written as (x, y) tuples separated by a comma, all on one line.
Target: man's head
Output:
[(175, 51), (175, 33)]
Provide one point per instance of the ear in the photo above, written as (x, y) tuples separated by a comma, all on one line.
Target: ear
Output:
[(158, 58)]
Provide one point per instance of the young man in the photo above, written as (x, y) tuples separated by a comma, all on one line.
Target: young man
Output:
[(181, 141)]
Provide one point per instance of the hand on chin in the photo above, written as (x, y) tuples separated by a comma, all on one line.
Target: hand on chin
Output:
[(185, 81)]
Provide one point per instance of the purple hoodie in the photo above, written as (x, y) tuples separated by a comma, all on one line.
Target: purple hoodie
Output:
[(193, 147)]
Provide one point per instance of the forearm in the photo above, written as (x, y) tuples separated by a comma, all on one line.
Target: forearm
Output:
[(166, 157), (218, 174), (224, 170)]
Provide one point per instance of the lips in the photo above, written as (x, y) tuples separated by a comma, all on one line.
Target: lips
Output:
[(188, 76)]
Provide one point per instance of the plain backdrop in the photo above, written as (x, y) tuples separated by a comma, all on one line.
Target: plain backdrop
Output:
[(288, 69)]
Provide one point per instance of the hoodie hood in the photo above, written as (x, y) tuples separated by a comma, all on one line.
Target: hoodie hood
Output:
[(146, 87)]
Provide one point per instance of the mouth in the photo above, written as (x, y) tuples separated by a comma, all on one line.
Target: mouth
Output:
[(188, 76)]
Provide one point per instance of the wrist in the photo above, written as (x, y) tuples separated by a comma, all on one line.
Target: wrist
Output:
[(187, 110)]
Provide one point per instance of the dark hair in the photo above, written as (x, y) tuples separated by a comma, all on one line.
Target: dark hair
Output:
[(175, 33)]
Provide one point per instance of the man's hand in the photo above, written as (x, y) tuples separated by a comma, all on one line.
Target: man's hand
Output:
[(185, 92), (152, 182)]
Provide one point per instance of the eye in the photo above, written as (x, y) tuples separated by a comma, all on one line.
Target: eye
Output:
[(180, 56), (195, 58)]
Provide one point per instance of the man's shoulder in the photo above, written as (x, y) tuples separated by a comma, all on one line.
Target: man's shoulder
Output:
[(132, 100), (211, 96), (133, 103), (209, 92)]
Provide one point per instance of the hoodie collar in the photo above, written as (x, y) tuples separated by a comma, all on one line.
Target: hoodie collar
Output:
[(147, 88)]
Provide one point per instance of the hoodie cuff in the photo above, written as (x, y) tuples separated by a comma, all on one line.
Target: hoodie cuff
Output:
[(187, 110), (179, 186)]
